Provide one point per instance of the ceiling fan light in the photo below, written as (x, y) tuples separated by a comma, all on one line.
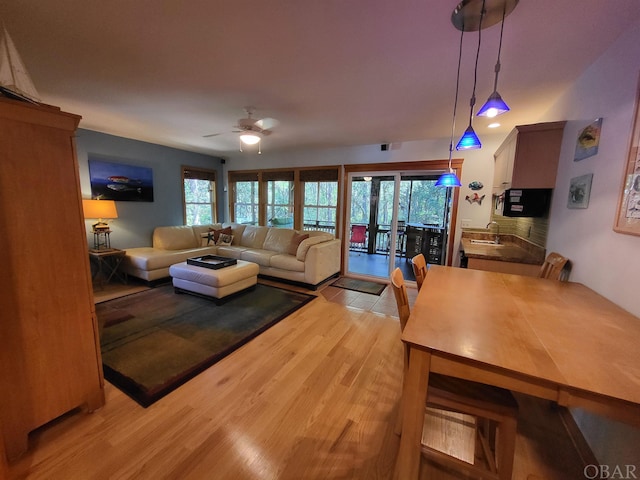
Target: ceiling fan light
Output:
[(449, 179), (250, 138), (493, 106), (469, 140)]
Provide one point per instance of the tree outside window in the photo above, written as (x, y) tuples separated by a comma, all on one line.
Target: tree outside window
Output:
[(280, 202), (320, 205), (246, 206), (199, 196)]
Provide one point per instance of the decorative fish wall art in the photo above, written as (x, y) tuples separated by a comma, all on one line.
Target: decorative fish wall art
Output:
[(475, 199), (476, 185)]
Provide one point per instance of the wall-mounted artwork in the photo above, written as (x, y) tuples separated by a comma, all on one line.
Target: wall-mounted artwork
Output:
[(579, 191), (588, 140), (628, 216), (115, 181)]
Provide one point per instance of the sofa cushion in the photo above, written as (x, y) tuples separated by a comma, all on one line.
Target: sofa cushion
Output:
[(314, 239), (147, 258), (295, 243), (231, 251), (253, 237), (287, 262), (237, 229), (259, 256), (278, 239), (175, 238)]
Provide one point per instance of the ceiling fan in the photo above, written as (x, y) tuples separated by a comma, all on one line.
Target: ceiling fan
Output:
[(251, 130)]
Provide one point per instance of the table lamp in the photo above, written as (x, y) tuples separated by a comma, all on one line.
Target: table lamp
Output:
[(101, 210)]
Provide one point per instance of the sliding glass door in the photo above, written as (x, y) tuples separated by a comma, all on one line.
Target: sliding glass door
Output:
[(391, 217)]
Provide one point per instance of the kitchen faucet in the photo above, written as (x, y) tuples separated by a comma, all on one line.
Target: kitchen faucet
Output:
[(497, 240)]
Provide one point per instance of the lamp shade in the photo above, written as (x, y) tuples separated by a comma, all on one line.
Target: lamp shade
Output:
[(493, 106), (250, 138), (448, 179), (99, 209), (469, 140)]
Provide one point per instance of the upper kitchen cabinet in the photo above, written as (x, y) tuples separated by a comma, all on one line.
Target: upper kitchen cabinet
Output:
[(528, 158)]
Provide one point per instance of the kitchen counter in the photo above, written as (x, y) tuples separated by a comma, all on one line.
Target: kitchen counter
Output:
[(511, 249)]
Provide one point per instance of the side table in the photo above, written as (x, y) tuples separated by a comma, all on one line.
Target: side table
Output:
[(107, 262)]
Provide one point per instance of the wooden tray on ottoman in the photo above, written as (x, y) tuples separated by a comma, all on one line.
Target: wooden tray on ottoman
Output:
[(212, 261)]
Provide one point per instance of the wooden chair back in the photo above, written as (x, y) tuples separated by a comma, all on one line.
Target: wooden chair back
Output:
[(402, 299), (553, 267), (419, 265)]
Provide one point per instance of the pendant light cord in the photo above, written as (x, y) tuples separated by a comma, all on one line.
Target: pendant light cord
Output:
[(475, 71), (497, 69), (455, 102)]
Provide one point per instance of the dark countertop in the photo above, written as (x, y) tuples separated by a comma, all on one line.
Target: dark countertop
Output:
[(511, 249)]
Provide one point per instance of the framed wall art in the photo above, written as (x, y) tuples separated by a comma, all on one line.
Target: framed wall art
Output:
[(116, 181), (628, 214), (588, 140), (580, 191)]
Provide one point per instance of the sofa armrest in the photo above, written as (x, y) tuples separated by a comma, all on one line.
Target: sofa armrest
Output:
[(322, 261), (307, 243)]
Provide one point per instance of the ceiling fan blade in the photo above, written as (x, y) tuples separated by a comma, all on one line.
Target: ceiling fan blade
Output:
[(267, 123), (211, 135)]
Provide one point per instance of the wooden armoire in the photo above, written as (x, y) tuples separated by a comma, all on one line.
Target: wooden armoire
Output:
[(50, 359)]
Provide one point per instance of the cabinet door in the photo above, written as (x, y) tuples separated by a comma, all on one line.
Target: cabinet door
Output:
[(49, 354), (503, 172), (537, 153)]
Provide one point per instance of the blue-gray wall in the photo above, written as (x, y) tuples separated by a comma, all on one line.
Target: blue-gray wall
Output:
[(136, 220)]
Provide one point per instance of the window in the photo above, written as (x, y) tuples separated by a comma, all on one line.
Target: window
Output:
[(320, 206), (302, 198), (199, 196), (426, 202), (360, 201), (280, 200), (246, 202), (320, 199), (280, 203)]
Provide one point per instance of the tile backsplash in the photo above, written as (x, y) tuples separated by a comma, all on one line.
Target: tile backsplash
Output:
[(531, 229)]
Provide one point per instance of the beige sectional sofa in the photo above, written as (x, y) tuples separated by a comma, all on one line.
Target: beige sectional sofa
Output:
[(275, 250)]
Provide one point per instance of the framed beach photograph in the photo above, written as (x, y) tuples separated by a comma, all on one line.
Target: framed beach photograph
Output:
[(579, 191), (116, 181), (628, 213), (588, 140)]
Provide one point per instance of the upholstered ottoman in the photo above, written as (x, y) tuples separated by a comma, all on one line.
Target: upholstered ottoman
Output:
[(214, 283)]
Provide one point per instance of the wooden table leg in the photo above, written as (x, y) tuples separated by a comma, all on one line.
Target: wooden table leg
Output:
[(414, 399)]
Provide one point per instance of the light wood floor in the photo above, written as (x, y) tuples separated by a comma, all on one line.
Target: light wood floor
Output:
[(314, 397)]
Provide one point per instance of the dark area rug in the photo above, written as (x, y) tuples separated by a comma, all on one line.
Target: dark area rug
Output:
[(363, 286), (155, 341)]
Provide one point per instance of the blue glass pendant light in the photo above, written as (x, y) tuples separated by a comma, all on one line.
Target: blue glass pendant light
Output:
[(448, 179), (469, 140), (495, 105)]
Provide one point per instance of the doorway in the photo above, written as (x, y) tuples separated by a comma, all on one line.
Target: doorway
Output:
[(391, 217)]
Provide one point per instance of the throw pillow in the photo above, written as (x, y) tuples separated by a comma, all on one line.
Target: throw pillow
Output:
[(224, 239), (216, 233), (207, 239), (295, 242)]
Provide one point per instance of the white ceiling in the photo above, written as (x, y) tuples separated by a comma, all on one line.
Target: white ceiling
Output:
[(333, 72)]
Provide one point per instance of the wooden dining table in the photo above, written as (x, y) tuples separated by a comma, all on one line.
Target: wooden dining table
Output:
[(559, 341)]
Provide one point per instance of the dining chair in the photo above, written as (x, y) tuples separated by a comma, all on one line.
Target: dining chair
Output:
[(419, 265), (555, 267), (483, 418)]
